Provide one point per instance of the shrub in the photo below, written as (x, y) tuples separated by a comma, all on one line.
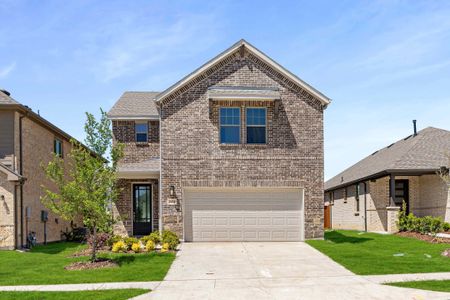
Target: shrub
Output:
[(114, 239), (136, 247), (145, 239), (170, 238), (119, 246), (446, 226), (102, 240), (150, 246), (76, 234), (129, 241), (424, 225), (155, 236), (165, 247)]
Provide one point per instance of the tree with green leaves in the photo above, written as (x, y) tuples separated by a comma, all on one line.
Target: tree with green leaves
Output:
[(86, 184)]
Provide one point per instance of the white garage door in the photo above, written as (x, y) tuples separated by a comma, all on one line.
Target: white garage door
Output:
[(230, 214)]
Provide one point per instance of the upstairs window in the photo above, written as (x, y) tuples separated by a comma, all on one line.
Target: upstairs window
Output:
[(230, 125), (256, 125), (58, 147), (141, 132)]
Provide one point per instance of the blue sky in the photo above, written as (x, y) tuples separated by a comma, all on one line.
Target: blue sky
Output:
[(383, 63)]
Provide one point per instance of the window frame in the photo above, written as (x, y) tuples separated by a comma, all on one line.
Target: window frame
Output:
[(228, 125), (55, 141), (140, 132), (247, 126), (357, 203)]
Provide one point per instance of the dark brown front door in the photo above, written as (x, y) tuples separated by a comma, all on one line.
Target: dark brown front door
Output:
[(402, 193), (142, 209), (327, 217)]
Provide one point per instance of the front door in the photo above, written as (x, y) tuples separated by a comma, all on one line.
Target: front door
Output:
[(142, 209), (402, 193)]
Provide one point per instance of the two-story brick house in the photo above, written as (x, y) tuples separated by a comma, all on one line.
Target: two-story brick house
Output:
[(231, 152), (26, 142)]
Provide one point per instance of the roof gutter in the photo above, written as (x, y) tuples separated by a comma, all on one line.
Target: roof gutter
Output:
[(411, 172)]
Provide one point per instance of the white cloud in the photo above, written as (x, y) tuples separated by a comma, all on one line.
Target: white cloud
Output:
[(130, 47), (5, 71)]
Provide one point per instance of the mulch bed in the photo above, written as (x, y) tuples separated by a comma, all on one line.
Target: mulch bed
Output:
[(424, 237), (86, 252), (87, 265)]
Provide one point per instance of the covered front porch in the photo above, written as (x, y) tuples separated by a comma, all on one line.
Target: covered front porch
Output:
[(136, 210), (423, 194)]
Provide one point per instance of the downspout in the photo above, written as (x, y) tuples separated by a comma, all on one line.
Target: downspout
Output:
[(21, 173), (15, 217), (365, 206), (160, 171)]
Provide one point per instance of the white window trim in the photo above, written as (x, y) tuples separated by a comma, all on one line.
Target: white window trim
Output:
[(227, 125), (136, 132), (246, 125)]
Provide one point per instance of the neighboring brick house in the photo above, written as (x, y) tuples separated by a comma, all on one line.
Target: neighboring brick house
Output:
[(231, 152), (368, 195), (26, 141)]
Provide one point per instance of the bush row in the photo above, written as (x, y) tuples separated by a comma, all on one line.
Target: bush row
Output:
[(168, 240), (423, 225)]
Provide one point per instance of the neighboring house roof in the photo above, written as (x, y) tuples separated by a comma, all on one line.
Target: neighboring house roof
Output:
[(6, 99), (243, 43), (11, 175), (424, 153), (135, 105), (142, 168), (7, 102)]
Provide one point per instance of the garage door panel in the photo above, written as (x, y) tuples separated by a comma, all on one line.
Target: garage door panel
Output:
[(236, 215)]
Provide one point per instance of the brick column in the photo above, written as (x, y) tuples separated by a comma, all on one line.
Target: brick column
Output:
[(392, 218)]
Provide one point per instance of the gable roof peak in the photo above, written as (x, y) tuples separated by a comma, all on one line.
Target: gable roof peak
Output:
[(249, 47)]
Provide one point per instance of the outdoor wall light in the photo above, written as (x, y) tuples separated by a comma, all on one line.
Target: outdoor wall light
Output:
[(2, 197), (172, 191)]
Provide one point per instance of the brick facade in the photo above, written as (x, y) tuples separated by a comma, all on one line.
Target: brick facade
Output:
[(428, 196), (124, 204), (7, 190), (191, 152), (37, 150), (124, 132)]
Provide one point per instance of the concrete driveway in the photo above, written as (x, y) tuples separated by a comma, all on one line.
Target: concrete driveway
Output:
[(268, 271)]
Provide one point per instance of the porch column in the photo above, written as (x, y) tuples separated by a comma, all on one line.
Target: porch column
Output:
[(391, 190)]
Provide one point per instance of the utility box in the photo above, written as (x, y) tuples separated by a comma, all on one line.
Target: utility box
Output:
[(44, 215)]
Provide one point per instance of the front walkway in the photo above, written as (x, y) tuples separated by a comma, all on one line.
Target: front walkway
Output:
[(268, 271)]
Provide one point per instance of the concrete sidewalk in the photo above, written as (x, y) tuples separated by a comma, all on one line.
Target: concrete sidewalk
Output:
[(269, 271), (407, 277), (150, 285)]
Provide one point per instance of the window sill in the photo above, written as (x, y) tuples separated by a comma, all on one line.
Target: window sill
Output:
[(141, 144)]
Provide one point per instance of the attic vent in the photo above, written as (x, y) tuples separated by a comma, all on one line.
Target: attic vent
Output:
[(375, 152), (390, 145)]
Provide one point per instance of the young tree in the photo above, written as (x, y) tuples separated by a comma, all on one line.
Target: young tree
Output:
[(86, 183)]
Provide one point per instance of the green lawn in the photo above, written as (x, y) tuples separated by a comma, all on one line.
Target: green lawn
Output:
[(85, 295), (371, 253), (45, 265), (432, 285)]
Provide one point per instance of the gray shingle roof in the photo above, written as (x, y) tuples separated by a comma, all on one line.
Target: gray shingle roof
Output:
[(150, 165), (135, 104), (425, 152), (5, 99)]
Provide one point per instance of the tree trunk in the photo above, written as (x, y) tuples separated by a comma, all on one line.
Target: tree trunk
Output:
[(94, 244)]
